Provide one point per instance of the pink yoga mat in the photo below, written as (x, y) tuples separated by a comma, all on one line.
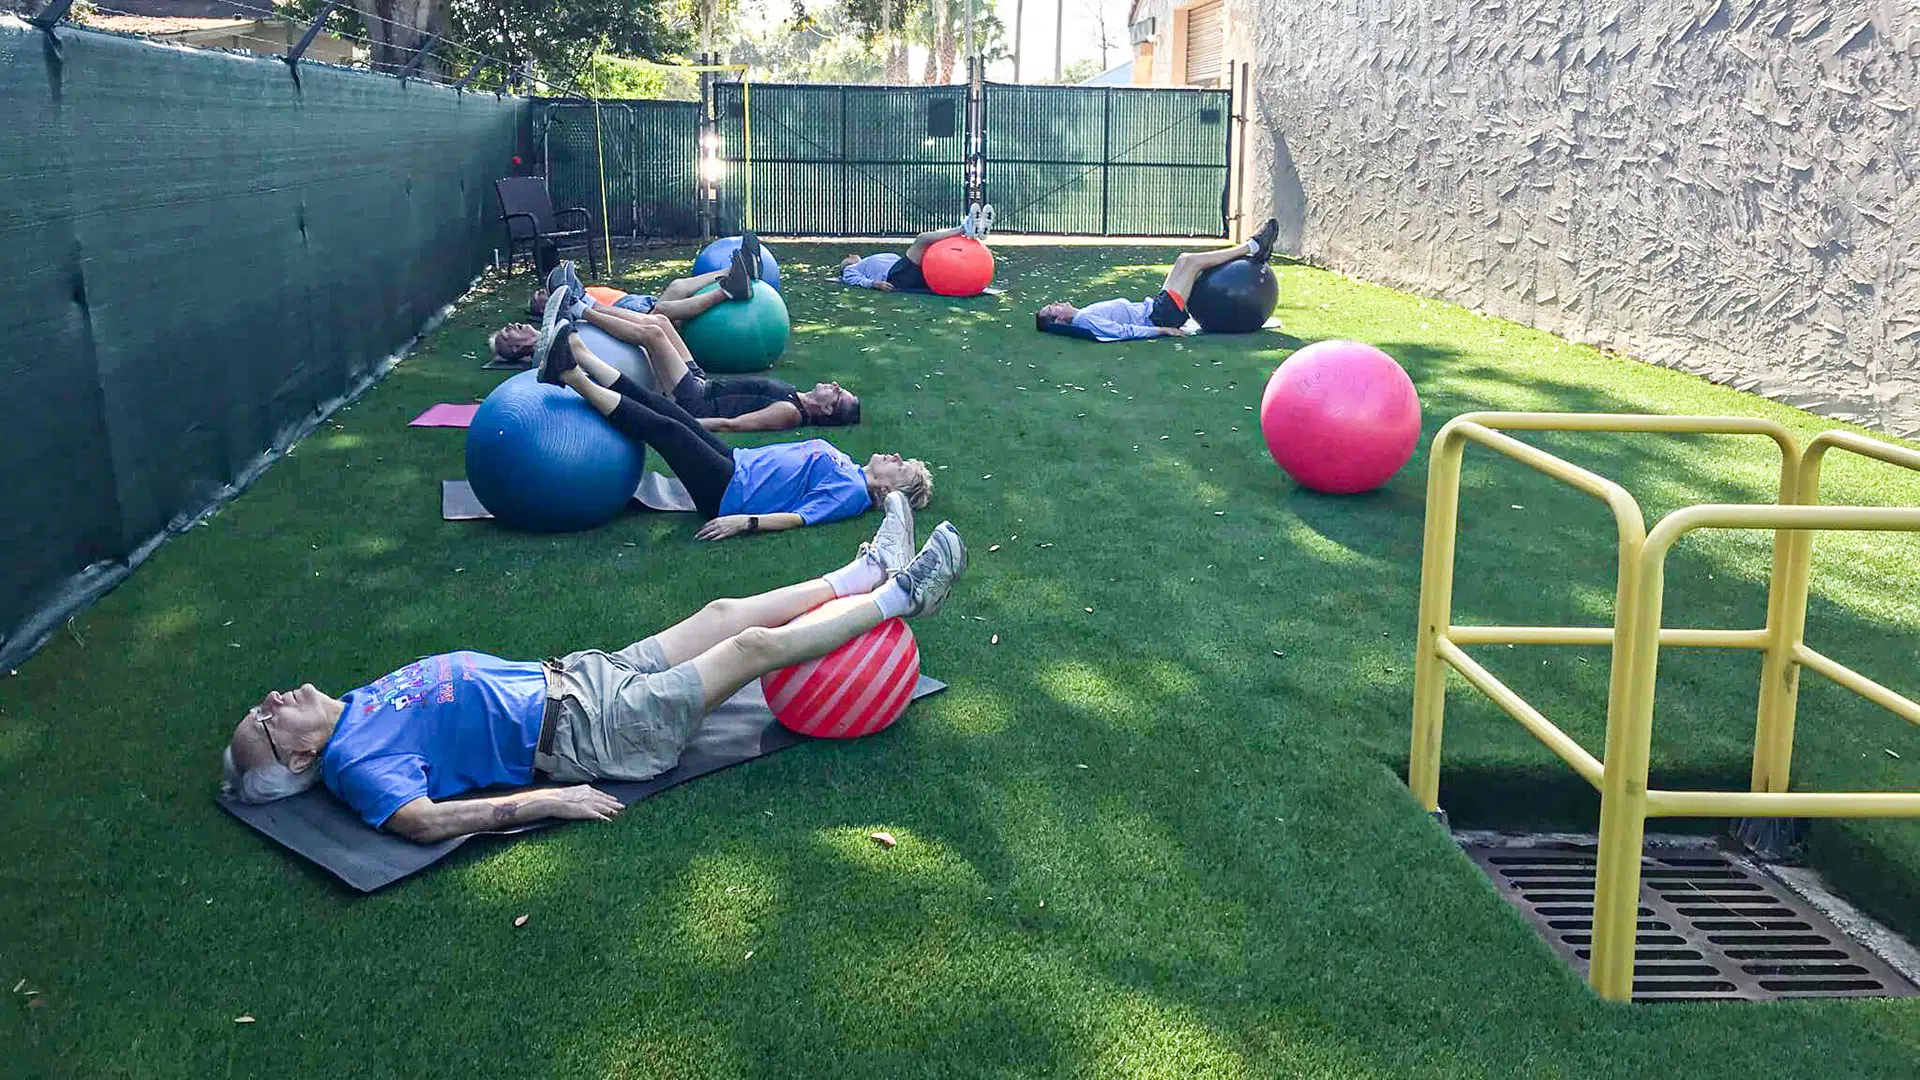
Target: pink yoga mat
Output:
[(445, 416)]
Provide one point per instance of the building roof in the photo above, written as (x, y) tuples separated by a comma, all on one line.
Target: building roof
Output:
[(1118, 75), (161, 25)]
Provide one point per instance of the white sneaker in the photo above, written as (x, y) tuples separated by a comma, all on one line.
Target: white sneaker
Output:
[(969, 223), (929, 578), (892, 543), (982, 220)]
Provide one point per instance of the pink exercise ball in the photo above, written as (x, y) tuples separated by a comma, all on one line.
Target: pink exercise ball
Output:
[(1340, 417)]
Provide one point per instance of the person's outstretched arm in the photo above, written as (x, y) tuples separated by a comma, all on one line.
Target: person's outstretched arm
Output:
[(425, 821), (779, 416), (734, 524)]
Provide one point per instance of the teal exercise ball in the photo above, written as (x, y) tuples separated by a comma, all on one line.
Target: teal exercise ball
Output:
[(735, 337)]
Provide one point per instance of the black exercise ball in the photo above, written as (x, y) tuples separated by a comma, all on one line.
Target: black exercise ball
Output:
[(1234, 298)]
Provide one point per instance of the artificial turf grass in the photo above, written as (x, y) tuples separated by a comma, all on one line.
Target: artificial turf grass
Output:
[(1236, 882)]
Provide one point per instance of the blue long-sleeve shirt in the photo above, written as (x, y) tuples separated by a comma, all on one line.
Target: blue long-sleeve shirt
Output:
[(869, 271), (1118, 320)]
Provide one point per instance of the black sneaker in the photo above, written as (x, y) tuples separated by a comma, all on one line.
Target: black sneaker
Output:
[(929, 578), (553, 353), (1264, 238), (738, 284), (750, 247), (556, 280)]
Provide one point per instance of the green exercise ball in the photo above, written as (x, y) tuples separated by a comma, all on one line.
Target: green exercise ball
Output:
[(735, 337)]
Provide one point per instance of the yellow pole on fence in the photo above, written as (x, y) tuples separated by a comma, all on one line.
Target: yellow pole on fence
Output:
[(600, 151)]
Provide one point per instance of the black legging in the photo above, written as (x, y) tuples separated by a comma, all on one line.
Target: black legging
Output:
[(698, 457)]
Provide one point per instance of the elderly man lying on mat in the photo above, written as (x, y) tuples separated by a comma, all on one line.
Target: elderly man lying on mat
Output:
[(402, 749)]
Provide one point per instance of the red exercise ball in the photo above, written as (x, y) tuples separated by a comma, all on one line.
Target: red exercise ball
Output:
[(1340, 417), (957, 266), (855, 690)]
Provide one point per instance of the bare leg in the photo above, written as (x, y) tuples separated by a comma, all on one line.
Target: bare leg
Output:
[(665, 351), (919, 246), (603, 400), (1188, 267), (722, 619), (682, 310), (681, 288), (734, 662)]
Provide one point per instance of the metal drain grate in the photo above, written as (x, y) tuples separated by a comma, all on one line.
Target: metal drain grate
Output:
[(1710, 928)]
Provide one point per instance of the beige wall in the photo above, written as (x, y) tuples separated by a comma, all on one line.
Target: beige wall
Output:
[(1163, 60), (1724, 187)]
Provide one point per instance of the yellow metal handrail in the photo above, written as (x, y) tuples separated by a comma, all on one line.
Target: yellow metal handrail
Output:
[(1636, 637)]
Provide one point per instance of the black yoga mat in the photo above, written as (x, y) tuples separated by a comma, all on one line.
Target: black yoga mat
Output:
[(320, 827), (657, 491)]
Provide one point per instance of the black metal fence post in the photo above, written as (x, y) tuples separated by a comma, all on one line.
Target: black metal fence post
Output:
[(419, 56), (319, 21)]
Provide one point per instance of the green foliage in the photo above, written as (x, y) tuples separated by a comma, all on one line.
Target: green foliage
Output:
[(621, 77), (1081, 70)]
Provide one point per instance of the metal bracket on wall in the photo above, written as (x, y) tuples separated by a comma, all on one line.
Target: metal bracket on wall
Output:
[(55, 11), (313, 31), (419, 56)]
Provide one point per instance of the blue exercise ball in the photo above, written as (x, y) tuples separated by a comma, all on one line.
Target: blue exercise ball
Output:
[(719, 255), (539, 458)]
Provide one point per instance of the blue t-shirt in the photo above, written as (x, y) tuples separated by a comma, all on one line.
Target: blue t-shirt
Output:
[(1118, 320), (440, 727), (869, 271), (812, 479)]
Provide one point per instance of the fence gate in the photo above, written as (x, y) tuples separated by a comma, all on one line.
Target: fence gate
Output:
[(1108, 161), (833, 160), (650, 151), (841, 160)]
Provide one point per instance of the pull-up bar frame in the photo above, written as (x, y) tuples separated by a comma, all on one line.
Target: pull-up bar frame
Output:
[(1636, 637)]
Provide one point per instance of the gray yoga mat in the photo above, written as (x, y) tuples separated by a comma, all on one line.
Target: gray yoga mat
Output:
[(324, 830), (657, 491)]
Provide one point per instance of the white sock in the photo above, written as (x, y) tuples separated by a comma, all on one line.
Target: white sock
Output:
[(579, 309), (863, 575), (893, 600)]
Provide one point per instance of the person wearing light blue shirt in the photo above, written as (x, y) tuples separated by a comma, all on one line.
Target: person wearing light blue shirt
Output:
[(744, 490), (888, 272), (452, 744), (1164, 314)]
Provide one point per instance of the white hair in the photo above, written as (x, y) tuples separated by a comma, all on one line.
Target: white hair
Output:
[(263, 783)]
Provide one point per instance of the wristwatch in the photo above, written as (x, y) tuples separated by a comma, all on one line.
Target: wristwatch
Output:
[(753, 522)]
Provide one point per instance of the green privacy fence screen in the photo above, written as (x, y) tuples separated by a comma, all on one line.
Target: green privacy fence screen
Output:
[(1107, 161), (842, 160), (834, 160), (647, 150), (202, 255)]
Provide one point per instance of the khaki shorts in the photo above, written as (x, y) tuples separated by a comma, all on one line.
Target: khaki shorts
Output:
[(617, 716)]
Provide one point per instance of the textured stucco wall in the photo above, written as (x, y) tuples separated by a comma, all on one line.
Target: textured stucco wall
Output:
[(1723, 186)]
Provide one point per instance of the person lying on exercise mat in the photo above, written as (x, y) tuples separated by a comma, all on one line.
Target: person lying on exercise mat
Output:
[(888, 272), (1163, 314), (677, 301), (745, 490), (403, 749), (726, 403)]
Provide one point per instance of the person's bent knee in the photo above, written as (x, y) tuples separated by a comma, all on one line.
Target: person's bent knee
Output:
[(759, 647)]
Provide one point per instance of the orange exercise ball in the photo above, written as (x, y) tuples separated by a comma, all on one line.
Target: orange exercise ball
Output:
[(957, 266)]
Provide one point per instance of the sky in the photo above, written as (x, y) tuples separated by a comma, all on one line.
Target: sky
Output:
[(1081, 25), (1081, 33)]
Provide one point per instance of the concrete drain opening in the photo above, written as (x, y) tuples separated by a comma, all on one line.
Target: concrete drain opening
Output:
[(1713, 926)]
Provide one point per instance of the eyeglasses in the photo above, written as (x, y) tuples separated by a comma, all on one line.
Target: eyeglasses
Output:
[(260, 717)]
